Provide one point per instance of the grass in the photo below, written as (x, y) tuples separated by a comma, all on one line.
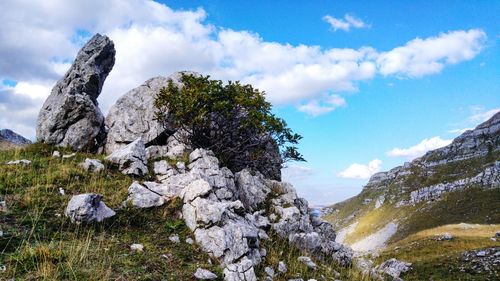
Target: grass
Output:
[(439, 260), (279, 250), (39, 243), (414, 240)]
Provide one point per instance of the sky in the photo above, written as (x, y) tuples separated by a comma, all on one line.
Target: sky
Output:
[(368, 84)]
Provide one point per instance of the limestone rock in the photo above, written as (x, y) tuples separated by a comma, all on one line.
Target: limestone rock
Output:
[(133, 116), (87, 208), (137, 247), (203, 274), (92, 165), (70, 116), (131, 158), (241, 271), (23, 162), (394, 267), (252, 189), (142, 196)]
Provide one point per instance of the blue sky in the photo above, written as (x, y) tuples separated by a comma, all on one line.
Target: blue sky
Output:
[(357, 79)]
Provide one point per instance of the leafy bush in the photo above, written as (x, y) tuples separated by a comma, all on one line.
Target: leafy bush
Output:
[(232, 120)]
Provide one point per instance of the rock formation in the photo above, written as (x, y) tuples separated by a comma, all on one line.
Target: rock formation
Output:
[(87, 208), (133, 116), (70, 116)]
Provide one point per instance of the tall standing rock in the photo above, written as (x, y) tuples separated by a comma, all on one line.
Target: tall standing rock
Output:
[(70, 116)]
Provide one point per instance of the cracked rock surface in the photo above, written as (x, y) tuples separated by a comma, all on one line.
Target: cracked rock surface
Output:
[(70, 116)]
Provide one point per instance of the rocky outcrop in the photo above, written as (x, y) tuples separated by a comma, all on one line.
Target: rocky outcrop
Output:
[(133, 116), (70, 116), (230, 215), (484, 139), (489, 178), (87, 208), (131, 159)]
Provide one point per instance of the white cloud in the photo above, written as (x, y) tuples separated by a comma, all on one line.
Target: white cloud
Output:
[(151, 39), (362, 171), (419, 149), (346, 23), (480, 115), (315, 108), (421, 57), (295, 172)]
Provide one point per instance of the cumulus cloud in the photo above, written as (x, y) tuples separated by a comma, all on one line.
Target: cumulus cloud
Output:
[(420, 148), (315, 108), (295, 172), (346, 23), (39, 40), (481, 115), (421, 57), (362, 171)]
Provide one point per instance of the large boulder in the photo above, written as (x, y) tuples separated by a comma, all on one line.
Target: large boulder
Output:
[(133, 116), (87, 208), (70, 116)]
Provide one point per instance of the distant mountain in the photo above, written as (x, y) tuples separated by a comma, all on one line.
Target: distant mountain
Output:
[(9, 138), (453, 187)]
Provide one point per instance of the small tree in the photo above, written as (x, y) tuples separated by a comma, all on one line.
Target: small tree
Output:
[(232, 120)]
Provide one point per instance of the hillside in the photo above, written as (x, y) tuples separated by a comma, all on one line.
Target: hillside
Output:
[(156, 206), (10, 139), (454, 189)]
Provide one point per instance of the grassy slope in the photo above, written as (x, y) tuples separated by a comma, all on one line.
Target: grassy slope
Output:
[(471, 205), (39, 243)]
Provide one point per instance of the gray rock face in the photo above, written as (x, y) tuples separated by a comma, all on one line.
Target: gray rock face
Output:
[(203, 274), (87, 208), (133, 116), (252, 190), (241, 271), (148, 195), (70, 116), (131, 158)]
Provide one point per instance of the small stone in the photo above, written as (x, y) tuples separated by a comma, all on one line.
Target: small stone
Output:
[(445, 237), (269, 271), (481, 254), (189, 241), (92, 165), (203, 274), (137, 247), (19, 162), (307, 261), (61, 191), (67, 156), (497, 235), (3, 206), (174, 238), (282, 267), (56, 154), (3, 268)]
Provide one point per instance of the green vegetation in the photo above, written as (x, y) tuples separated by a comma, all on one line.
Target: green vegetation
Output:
[(440, 260), (39, 243), (233, 120)]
